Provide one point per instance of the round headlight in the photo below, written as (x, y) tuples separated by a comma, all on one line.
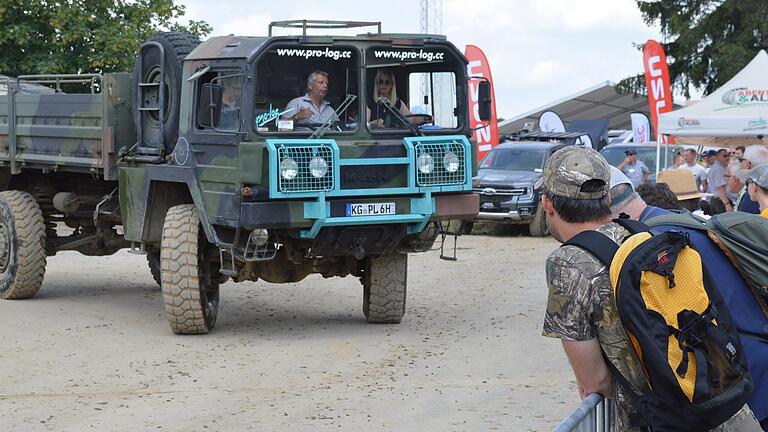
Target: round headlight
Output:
[(259, 237), (318, 167), (425, 163), (451, 162), (289, 169)]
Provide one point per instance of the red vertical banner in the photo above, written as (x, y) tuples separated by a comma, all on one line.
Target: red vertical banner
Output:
[(487, 134), (657, 81)]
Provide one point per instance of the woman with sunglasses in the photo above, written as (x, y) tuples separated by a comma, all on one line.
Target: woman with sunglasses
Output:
[(378, 115)]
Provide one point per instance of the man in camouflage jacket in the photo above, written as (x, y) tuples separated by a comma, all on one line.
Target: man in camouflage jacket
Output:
[(580, 308)]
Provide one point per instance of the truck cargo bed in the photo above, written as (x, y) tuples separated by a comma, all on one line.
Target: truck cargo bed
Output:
[(70, 132)]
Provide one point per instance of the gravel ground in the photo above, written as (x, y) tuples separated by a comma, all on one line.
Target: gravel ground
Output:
[(93, 351)]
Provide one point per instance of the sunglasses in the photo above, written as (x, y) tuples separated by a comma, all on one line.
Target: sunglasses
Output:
[(385, 82)]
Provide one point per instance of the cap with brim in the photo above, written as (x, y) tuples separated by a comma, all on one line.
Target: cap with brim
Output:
[(682, 183), (630, 151), (759, 175), (712, 153), (619, 178), (570, 167)]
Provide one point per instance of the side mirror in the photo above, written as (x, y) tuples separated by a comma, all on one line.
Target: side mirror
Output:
[(209, 105), (484, 100)]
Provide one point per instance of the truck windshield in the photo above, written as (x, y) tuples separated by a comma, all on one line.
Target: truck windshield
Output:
[(515, 159), (414, 85), (298, 88)]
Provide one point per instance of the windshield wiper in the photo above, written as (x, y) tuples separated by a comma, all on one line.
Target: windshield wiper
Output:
[(398, 115), (342, 108)]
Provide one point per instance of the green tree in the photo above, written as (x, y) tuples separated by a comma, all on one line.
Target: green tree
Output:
[(82, 36), (706, 41)]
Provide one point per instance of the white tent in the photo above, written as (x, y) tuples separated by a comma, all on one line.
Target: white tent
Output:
[(737, 109)]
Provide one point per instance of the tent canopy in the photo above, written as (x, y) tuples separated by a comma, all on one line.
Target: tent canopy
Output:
[(597, 102), (737, 109)]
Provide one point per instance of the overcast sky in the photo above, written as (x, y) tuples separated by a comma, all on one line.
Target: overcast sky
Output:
[(539, 50)]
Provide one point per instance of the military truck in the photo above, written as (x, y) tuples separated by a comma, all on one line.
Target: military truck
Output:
[(147, 161)]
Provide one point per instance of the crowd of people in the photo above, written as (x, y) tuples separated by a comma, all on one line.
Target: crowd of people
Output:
[(582, 193), (721, 179)]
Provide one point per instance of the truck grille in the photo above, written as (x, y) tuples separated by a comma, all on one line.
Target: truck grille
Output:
[(438, 151), (304, 180), (495, 190), (495, 199)]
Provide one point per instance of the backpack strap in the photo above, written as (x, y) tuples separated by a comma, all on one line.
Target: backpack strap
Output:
[(632, 225), (684, 219), (600, 245), (597, 244)]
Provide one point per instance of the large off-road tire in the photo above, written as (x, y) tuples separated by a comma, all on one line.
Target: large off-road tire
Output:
[(538, 226), (153, 262), (22, 245), (176, 46), (190, 278), (384, 287)]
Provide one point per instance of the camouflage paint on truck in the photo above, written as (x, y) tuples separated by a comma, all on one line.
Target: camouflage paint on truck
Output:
[(100, 163), (216, 178), (79, 133)]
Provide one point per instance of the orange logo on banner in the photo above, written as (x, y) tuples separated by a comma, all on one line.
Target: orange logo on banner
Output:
[(657, 81), (488, 135)]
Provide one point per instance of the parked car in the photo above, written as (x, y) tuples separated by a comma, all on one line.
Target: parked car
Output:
[(505, 182), (614, 154)]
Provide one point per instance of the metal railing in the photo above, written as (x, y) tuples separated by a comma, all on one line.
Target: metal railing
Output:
[(305, 24), (92, 80), (595, 414)]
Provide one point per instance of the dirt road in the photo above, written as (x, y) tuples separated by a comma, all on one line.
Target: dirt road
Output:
[(93, 352)]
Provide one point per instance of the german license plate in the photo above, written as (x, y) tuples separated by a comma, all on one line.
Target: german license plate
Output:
[(371, 209)]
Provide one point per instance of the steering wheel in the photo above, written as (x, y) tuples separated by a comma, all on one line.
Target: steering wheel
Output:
[(426, 117)]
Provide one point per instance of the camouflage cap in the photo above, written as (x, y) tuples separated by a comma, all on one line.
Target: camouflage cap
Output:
[(759, 175), (570, 167)]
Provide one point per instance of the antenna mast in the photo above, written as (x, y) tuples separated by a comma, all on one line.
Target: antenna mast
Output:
[(432, 23)]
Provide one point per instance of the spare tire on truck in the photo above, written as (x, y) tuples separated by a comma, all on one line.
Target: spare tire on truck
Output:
[(147, 69)]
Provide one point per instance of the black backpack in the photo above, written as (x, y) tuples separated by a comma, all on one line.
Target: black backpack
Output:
[(679, 328)]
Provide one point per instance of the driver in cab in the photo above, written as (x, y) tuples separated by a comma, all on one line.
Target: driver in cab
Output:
[(312, 107)]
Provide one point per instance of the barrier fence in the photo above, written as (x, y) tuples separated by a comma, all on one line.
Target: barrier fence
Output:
[(595, 414)]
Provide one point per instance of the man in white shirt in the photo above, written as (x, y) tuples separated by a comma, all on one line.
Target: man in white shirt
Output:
[(699, 172), (312, 107)]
